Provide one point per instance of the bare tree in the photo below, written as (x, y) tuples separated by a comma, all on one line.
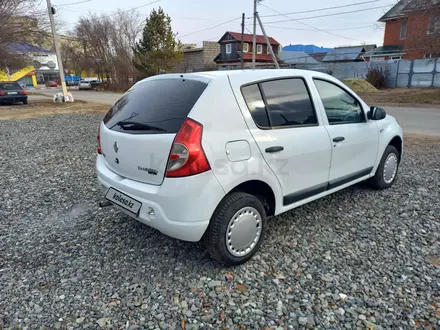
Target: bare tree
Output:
[(108, 42), (22, 21)]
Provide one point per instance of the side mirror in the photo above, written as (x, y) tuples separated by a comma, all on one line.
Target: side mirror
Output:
[(376, 113)]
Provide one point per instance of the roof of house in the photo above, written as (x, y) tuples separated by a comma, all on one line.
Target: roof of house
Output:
[(318, 56), (310, 49), (347, 53), (385, 51), (24, 48), (398, 10), (249, 38), (420, 5), (292, 57)]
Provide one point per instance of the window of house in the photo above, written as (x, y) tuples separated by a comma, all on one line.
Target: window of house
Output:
[(228, 48), (245, 47), (259, 49), (340, 107), (434, 24), (403, 29)]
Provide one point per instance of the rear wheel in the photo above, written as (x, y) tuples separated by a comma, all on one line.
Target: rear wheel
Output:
[(25, 101), (236, 229), (386, 173)]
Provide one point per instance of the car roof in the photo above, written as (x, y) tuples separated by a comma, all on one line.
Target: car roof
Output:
[(247, 75)]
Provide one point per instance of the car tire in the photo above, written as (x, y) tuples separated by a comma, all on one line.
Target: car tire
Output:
[(25, 102), (246, 213), (387, 170)]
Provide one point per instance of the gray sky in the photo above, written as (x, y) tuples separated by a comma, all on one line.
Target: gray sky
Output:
[(193, 15)]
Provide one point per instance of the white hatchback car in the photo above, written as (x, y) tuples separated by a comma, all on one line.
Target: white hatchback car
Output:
[(211, 155)]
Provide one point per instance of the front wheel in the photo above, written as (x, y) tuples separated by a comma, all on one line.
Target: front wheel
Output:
[(236, 229), (386, 173)]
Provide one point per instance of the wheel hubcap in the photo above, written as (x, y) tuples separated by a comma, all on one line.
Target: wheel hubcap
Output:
[(244, 231), (390, 168)]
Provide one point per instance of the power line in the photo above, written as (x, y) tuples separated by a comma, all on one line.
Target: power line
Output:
[(319, 16), (322, 9), (72, 3), (308, 25), (345, 29), (210, 28), (115, 12)]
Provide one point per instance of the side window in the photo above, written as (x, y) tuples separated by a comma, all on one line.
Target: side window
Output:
[(289, 103), (255, 103), (340, 107)]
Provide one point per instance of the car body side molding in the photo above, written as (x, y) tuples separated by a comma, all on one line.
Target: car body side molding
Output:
[(315, 190)]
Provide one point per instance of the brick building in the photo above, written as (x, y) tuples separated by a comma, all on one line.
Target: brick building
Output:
[(198, 59), (412, 31)]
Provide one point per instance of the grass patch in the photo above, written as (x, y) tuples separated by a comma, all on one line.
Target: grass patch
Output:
[(404, 96)]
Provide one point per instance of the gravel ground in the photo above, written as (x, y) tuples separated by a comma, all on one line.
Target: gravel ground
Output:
[(358, 259)]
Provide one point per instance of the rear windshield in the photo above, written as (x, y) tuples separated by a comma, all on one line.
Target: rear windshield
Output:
[(9, 86), (154, 107)]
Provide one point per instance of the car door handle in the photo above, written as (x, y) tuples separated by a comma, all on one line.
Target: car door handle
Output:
[(339, 139), (274, 149)]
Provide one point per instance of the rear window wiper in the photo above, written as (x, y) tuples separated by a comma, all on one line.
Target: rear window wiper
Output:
[(132, 125)]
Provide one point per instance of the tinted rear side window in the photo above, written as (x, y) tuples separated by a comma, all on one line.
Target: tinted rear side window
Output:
[(255, 103), (155, 107), (289, 103)]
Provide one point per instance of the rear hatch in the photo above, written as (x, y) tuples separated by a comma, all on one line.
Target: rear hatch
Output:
[(11, 89), (137, 133)]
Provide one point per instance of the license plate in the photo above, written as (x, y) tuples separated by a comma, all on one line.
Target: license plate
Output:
[(123, 200), (12, 93)]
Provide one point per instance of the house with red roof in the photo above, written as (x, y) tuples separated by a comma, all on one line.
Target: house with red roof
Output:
[(231, 52)]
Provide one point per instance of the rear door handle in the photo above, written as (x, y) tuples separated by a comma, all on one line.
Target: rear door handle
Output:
[(339, 139), (274, 149)]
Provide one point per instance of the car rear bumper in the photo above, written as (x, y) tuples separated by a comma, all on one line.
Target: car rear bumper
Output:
[(13, 99), (182, 206)]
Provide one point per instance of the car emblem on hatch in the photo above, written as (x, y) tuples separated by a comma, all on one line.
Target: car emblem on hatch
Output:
[(115, 147)]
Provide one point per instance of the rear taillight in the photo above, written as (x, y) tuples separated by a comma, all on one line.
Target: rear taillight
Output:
[(2, 93), (187, 156), (99, 140), (22, 92)]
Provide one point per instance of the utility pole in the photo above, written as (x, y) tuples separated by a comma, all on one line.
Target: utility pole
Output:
[(254, 43), (51, 11), (269, 46), (242, 41)]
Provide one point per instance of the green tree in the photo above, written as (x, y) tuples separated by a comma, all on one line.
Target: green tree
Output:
[(158, 50)]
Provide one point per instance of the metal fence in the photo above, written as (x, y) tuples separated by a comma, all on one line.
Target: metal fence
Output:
[(402, 73), (418, 73)]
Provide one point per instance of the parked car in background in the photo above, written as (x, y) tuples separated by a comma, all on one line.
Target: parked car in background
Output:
[(212, 155), (51, 84), (11, 92), (83, 85), (95, 83)]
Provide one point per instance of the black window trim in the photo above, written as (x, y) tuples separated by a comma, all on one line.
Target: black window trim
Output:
[(259, 82), (364, 120)]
